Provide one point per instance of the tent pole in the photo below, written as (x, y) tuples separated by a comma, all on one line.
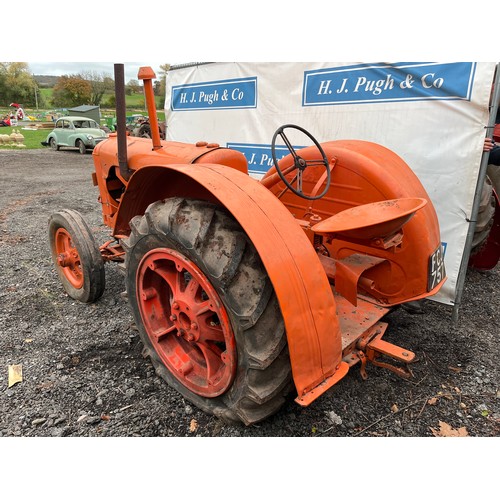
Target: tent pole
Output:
[(477, 198)]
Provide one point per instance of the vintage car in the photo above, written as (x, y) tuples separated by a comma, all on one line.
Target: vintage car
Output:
[(75, 132)]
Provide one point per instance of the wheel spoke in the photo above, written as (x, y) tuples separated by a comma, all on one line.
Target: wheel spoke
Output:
[(299, 181), (169, 274), (288, 145), (210, 330), (161, 335), (213, 359), (313, 163), (192, 289), (199, 309)]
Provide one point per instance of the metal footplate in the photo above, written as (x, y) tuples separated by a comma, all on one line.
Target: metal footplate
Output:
[(372, 348), (307, 398)]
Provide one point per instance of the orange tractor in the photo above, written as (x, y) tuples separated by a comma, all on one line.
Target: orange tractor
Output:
[(244, 291)]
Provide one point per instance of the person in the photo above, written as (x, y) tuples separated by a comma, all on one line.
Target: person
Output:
[(491, 145), (5, 122), (494, 149)]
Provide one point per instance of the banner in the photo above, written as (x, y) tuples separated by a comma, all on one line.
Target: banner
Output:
[(433, 115)]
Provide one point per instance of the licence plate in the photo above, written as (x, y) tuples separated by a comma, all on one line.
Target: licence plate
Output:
[(436, 272)]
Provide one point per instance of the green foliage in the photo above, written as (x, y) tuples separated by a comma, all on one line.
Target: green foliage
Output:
[(133, 87), (17, 84), (68, 91), (134, 101), (71, 91), (100, 85), (110, 102)]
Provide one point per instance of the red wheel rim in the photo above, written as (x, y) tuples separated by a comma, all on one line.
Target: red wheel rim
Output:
[(68, 258), (186, 322)]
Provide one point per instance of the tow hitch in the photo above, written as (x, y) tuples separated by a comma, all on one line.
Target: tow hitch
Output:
[(372, 347)]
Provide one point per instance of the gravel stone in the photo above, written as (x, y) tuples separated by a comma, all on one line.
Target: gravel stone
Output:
[(83, 365)]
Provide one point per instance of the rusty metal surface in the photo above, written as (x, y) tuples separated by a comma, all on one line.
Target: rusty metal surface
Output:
[(334, 262)]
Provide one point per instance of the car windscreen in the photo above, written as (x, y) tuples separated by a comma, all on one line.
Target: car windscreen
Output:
[(85, 124)]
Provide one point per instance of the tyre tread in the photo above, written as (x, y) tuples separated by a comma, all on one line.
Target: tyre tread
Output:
[(206, 231)]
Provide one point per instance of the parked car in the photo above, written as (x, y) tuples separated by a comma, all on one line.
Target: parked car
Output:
[(75, 132)]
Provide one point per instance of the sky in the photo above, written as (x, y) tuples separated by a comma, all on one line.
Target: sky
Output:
[(324, 31), (105, 68)]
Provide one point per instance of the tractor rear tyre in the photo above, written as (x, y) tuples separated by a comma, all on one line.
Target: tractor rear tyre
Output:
[(206, 310), (76, 256), (144, 131)]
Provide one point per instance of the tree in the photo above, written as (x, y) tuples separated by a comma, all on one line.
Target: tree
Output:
[(3, 71), (100, 84), (164, 69), (134, 87), (17, 84), (111, 102), (71, 90)]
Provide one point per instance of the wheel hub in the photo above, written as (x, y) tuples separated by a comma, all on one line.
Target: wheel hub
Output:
[(186, 322), (68, 258)]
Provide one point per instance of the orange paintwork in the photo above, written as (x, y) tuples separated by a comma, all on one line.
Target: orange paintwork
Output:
[(140, 154), (68, 258), (366, 172), (332, 286), (372, 220), (301, 286), (147, 74)]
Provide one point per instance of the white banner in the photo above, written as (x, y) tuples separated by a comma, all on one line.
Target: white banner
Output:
[(433, 115)]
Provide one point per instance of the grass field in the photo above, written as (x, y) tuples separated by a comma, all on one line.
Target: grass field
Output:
[(134, 101), (32, 138)]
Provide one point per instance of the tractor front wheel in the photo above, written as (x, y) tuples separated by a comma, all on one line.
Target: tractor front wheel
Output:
[(76, 256), (206, 311)]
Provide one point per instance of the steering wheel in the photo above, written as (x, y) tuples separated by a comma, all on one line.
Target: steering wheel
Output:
[(299, 163)]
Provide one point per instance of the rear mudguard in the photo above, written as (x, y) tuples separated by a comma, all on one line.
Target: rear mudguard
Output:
[(365, 172), (299, 280)]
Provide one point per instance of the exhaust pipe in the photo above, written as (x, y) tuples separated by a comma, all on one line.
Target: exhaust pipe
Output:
[(121, 121), (146, 74)]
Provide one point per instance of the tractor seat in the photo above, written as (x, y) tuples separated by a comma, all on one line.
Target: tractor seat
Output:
[(372, 220)]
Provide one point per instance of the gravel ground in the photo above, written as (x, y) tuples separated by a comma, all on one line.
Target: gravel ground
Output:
[(83, 373)]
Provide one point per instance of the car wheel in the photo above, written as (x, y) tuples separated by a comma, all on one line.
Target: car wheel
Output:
[(53, 144), (81, 147)]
